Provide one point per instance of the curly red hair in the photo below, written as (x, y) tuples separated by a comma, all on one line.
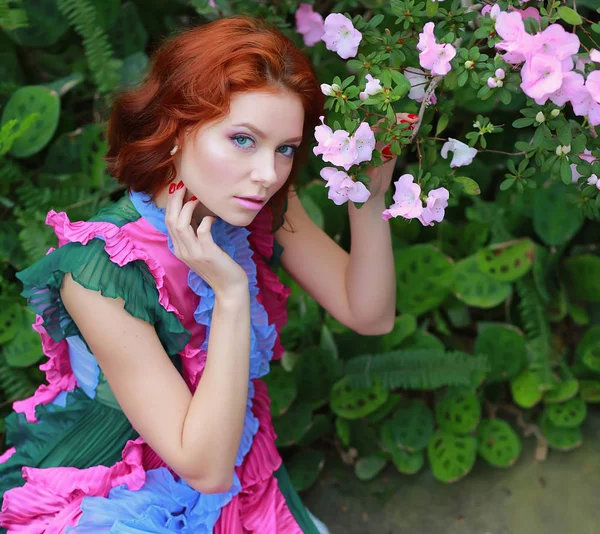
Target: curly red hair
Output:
[(191, 80)]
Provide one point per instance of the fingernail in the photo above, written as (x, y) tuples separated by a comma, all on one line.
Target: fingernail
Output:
[(412, 116), (171, 189), (180, 185), (193, 198), (387, 152)]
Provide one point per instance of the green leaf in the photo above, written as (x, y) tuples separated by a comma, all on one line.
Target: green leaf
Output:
[(375, 21), (431, 9), (570, 16), (470, 186), (442, 123), (522, 123)]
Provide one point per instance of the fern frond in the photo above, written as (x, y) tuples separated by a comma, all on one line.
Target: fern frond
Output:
[(14, 382), (81, 15), (536, 326), (11, 17), (415, 369)]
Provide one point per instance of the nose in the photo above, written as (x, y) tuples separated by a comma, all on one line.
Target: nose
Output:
[(264, 170)]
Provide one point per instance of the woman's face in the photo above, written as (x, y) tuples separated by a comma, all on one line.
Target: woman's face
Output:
[(249, 153)]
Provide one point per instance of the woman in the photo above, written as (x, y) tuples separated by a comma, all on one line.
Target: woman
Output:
[(148, 423)]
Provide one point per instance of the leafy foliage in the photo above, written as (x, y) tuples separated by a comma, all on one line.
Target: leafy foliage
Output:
[(496, 305)]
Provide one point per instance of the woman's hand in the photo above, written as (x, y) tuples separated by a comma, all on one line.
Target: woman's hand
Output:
[(381, 176), (197, 249)]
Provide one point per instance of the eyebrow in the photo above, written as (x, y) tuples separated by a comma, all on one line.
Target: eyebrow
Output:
[(262, 134)]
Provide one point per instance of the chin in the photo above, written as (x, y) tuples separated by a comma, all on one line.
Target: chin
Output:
[(239, 219)]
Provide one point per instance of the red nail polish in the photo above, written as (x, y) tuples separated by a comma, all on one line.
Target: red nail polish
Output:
[(171, 189), (180, 185), (193, 198), (412, 116), (386, 151)]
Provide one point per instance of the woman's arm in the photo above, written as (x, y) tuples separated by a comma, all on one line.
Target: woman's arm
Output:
[(196, 435), (358, 289)]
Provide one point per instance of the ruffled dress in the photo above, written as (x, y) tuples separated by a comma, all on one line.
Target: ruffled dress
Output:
[(75, 463)]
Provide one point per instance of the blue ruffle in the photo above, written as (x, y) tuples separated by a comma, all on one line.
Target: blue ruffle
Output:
[(161, 505), (164, 504)]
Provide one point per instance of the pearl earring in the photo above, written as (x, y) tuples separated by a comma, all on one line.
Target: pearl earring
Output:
[(174, 149)]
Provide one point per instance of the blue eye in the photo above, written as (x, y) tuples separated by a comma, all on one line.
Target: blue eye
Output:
[(291, 150), (240, 140)]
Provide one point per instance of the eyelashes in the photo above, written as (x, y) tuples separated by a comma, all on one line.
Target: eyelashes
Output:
[(245, 143)]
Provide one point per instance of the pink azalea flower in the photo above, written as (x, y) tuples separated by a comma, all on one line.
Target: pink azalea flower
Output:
[(462, 154), (530, 12), (309, 24), (584, 105), (372, 88), (407, 201), (341, 36), (516, 41), (342, 149), (556, 41), (572, 83), (593, 85), (595, 55), (492, 10), (364, 140), (436, 204), (322, 134), (434, 56), (541, 76), (342, 188)]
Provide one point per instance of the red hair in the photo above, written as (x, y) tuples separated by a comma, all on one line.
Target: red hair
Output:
[(191, 80)]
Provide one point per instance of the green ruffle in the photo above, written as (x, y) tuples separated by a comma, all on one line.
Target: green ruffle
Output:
[(293, 501), (90, 266), (82, 434)]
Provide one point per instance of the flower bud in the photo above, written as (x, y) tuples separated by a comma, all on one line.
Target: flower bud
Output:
[(469, 64), (330, 90), (500, 74), (566, 149), (555, 113), (492, 82), (593, 180), (499, 83), (558, 150), (540, 117)]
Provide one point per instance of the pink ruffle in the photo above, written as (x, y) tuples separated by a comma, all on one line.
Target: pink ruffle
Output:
[(260, 507), (51, 498), (193, 361), (273, 295), (58, 370), (118, 246), (7, 454)]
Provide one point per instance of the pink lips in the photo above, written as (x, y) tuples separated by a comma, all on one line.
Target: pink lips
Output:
[(255, 205)]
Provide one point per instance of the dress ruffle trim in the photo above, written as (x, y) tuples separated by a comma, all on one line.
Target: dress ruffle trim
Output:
[(273, 295), (59, 374), (51, 498), (140, 492), (118, 246)]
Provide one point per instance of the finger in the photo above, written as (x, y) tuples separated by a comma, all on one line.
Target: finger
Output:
[(411, 118), (205, 227), (173, 205), (172, 216)]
